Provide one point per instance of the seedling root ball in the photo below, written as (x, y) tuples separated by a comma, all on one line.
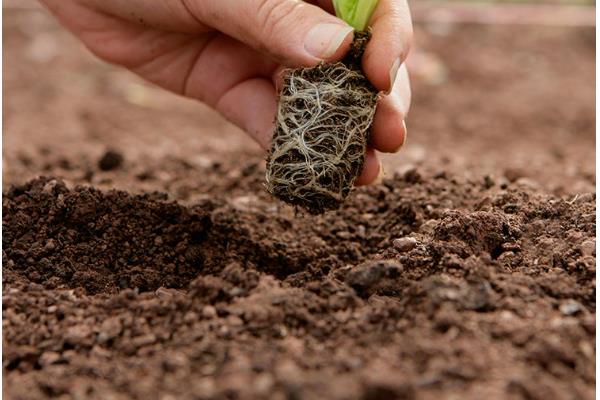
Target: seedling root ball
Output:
[(322, 130)]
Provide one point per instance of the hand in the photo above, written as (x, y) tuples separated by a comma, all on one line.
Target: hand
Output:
[(228, 53)]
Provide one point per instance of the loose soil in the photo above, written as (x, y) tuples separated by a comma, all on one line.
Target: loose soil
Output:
[(143, 259)]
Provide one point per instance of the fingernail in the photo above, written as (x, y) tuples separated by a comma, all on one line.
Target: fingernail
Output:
[(393, 74), (405, 137), (323, 40), (380, 176)]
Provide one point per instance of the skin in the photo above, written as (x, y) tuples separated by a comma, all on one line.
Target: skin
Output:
[(229, 54)]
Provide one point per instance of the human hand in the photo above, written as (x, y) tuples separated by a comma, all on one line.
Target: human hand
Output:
[(229, 53)]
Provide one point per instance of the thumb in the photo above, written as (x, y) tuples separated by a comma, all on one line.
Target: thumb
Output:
[(292, 31)]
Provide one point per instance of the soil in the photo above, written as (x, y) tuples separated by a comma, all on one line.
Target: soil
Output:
[(143, 259)]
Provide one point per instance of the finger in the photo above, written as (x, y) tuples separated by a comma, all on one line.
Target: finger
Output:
[(389, 46), (295, 33), (236, 81), (251, 105), (228, 76), (372, 169), (389, 129), (170, 16), (223, 63), (119, 40)]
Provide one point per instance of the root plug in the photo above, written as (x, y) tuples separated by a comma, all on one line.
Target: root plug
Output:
[(323, 124)]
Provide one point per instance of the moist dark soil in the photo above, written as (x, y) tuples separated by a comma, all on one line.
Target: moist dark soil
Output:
[(468, 273)]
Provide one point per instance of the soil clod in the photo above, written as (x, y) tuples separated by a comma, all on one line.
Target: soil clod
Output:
[(110, 160)]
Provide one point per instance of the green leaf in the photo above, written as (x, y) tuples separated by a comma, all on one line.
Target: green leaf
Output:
[(356, 13)]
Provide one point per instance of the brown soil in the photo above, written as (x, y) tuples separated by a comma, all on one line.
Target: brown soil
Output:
[(469, 273)]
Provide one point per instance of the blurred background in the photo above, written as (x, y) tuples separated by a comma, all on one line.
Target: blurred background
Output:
[(501, 89)]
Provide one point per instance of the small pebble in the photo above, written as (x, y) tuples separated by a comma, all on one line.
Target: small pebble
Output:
[(209, 312), (164, 293), (234, 320), (49, 357), (49, 186), (405, 244), (585, 198), (190, 317), (570, 307), (50, 245), (527, 183), (343, 235), (588, 247), (361, 231), (367, 216), (512, 174), (428, 227), (143, 340)]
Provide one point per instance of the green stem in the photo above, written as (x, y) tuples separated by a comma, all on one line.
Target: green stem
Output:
[(356, 13)]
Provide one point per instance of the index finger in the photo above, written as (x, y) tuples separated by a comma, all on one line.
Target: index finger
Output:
[(389, 46)]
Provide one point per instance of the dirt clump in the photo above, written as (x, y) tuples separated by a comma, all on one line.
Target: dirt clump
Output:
[(110, 160)]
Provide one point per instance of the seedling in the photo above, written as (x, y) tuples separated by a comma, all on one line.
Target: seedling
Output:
[(356, 13), (323, 124)]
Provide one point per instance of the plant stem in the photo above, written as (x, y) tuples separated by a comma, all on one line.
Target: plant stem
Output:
[(356, 13)]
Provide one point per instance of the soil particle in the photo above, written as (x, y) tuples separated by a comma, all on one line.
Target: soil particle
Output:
[(372, 277), (110, 160), (405, 244)]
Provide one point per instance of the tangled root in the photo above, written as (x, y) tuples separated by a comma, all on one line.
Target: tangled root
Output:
[(319, 146)]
